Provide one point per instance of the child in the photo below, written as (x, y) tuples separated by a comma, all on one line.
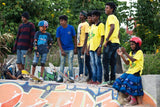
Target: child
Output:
[(42, 44), (65, 35), (130, 82), (111, 44), (87, 61), (96, 41), (82, 35)]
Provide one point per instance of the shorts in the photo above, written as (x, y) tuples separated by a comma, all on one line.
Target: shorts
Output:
[(43, 58), (21, 54)]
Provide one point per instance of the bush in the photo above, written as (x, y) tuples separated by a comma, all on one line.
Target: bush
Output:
[(151, 64)]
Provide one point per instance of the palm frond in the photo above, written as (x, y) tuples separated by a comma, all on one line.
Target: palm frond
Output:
[(4, 39)]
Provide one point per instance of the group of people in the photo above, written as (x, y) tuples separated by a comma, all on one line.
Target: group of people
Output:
[(92, 37)]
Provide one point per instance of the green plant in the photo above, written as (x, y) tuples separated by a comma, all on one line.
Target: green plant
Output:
[(124, 39), (151, 64), (5, 39), (50, 10), (147, 17)]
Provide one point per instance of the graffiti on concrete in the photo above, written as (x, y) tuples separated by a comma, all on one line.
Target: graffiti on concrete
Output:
[(52, 95), (22, 94)]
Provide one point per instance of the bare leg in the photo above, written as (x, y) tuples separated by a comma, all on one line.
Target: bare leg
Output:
[(19, 67), (42, 70), (33, 69), (139, 99), (22, 66)]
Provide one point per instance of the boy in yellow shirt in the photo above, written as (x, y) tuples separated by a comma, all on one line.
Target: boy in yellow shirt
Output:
[(82, 35), (87, 60), (111, 43), (96, 40)]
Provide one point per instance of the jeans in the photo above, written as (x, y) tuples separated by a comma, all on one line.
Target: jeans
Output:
[(88, 66), (43, 58), (96, 66), (81, 62), (21, 56), (110, 58), (70, 55)]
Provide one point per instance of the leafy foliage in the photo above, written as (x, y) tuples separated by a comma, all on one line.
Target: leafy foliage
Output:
[(4, 39), (151, 64), (50, 10), (124, 40), (147, 17)]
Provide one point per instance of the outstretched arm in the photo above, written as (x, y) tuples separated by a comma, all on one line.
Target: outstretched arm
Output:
[(128, 56), (119, 52)]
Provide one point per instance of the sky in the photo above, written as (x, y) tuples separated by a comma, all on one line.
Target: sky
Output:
[(128, 2)]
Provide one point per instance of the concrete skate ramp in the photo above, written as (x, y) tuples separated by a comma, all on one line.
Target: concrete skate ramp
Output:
[(50, 94)]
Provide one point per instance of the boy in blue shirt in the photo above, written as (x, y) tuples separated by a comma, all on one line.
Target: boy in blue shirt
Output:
[(42, 44), (64, 35)]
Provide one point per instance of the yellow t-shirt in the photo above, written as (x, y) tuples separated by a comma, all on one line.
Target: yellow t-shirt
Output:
[(136, 65), (81, 33), (112, 19), (89, 34), (97, 31)]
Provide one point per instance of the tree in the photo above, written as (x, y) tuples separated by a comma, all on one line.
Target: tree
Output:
[(148, 24), (50, 10), (4, 39)]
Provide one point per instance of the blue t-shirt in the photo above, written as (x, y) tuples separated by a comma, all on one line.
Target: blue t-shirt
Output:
[(43, 40), (65, 35)]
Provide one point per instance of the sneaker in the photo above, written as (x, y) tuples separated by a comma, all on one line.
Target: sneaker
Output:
[(90, 82), (111, 82), (98, 82), (95, 83), (88, 79), (85, 78), (60, 79), (103, 84), (77, 79), (72, 79), (41, 78), (81, 79)]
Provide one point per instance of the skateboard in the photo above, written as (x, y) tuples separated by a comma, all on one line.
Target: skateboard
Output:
[(63, 75), (26, 74), (36, 79), (4, 67)]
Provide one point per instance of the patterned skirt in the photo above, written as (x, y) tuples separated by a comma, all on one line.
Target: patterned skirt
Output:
[(129, 83)]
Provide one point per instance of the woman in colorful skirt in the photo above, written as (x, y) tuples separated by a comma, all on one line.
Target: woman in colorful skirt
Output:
[(130, 82)]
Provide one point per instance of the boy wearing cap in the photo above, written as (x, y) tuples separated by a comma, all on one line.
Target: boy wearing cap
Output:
[(42, 43), (82, 35), (24, 40)]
